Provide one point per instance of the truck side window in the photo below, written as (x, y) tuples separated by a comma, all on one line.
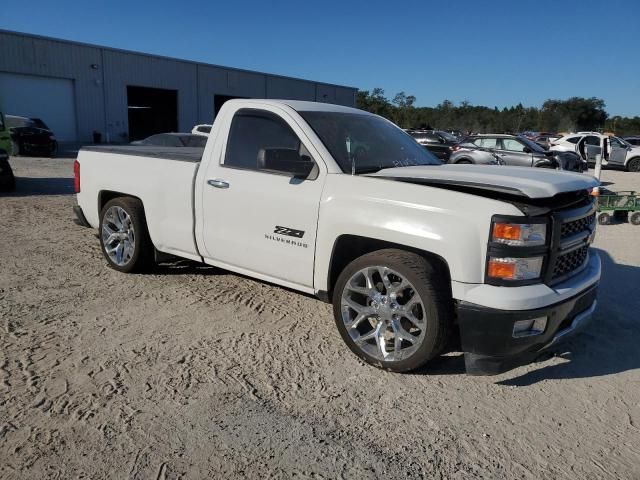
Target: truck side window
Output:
[(252, 130)]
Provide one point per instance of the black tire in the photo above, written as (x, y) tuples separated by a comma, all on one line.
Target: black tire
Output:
[(464, 161), (430, 282), (53, 151), (634, 218), (604, 218), (634, 165), (142, 258), (15, 149)]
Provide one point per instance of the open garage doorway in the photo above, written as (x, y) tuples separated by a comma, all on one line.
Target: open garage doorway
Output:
[(151, 111), (219, 100)]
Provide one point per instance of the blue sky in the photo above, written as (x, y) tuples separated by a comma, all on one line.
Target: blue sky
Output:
[(494, 53)]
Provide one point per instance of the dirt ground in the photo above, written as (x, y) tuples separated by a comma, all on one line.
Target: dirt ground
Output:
[(193, 372)]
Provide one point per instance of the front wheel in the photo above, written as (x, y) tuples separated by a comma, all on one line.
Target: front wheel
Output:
[(393, 309), (604, 218), (634, 218), (124, 237)]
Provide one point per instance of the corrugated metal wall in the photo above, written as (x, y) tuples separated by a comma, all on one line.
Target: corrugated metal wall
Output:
[(101, 76)]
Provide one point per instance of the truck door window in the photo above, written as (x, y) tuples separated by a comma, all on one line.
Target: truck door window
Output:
[(253, 130)]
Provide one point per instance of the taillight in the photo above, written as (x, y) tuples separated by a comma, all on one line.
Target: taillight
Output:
[(76, 176)]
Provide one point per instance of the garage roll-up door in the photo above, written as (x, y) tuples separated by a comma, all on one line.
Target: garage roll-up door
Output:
[(47, 98)]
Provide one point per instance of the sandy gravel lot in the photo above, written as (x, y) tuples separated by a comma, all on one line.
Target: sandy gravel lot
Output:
[(193, 372)]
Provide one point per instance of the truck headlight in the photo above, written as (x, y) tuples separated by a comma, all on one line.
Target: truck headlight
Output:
[(511, 268), (519, 234)]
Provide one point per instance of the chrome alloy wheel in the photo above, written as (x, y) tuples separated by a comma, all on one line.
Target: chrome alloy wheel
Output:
[(383, 314), (118, 235)]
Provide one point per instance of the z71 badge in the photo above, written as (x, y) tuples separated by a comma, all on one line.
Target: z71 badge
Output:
[(291, 232)]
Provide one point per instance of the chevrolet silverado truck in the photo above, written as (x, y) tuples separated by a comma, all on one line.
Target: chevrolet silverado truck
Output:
[(342, 204)]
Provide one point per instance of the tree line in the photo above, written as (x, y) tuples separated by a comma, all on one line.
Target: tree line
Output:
[(570, 115)]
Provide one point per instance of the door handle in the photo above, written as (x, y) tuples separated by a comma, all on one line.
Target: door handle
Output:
[(218, 183)]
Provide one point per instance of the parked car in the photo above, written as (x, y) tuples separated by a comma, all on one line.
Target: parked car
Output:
[(438, 142), (203, 129), (31, 136), (635, 141), (408, 250), (513, 150), (5, 135), (456, 133), (174, 140), (617, 152), (545, 140), (7, 180)]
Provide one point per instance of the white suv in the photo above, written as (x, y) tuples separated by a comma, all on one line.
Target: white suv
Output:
[(589, 144)]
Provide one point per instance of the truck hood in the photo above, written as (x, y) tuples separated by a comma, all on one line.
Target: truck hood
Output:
[(516, 181)]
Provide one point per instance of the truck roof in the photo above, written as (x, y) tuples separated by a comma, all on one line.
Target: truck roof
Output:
[(301, 105)]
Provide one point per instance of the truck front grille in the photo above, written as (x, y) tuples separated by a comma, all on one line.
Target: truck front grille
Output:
[(570, 247), (568, 262), (574, 227)]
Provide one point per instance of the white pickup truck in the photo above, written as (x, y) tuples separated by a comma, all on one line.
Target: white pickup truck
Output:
[(342, 204)]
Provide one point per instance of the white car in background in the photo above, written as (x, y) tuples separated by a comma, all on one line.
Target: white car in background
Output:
[(203, 130), (617, 152)]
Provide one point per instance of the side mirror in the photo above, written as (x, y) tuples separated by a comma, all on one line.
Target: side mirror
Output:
[(285, 160), (526, 150)]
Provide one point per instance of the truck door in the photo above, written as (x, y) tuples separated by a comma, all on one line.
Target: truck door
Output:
[(257, 220)]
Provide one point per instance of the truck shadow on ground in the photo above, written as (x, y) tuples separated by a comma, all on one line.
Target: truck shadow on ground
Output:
[(185, 267), (41, 186)]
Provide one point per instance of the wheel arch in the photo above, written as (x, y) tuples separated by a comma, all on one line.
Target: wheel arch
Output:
[(635, 158), (104, 196), (348, 247), (463, 159)]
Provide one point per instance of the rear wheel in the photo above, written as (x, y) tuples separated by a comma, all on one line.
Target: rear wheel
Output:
[(604, 218), (53, 150), (124, 237), (464, 161), (634, 165), (393, 309), (634, 218)]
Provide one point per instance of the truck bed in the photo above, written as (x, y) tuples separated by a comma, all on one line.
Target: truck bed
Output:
[(182, 154), (161, 177)]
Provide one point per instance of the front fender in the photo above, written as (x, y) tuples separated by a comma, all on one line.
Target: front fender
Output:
[(450, 224)]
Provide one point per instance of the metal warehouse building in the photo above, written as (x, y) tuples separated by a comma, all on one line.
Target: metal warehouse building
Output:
[(79, 89)]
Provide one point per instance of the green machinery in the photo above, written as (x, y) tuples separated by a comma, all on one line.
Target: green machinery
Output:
[(618, 205)]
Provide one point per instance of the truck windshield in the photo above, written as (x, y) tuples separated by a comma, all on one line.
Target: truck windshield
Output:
[(366, 143)]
